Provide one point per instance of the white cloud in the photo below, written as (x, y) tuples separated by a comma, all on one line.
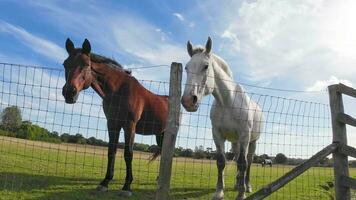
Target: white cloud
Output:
[(234, 42), (297, 41), (182, 19), (302, 40), (131, 37), (139, 38), (37, 44), (322, 85), (179, 16)]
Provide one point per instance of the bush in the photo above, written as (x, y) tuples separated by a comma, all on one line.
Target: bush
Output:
[(141, 147), (199, 152), (7, 133), (281, 158)]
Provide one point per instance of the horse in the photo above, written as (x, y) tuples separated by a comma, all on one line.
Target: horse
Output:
[(234, 115), (126, 103)]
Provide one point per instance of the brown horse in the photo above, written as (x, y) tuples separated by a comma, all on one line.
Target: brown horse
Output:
[(126, 103)]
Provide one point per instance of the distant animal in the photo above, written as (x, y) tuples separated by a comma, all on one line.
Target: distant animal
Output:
[(126, 104), (266, 162), (234, 116)]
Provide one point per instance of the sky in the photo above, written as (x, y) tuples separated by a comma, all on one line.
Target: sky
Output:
[(302, 45)]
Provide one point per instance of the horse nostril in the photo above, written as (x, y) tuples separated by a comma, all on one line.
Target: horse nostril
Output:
[(71, 91), (195, 99)]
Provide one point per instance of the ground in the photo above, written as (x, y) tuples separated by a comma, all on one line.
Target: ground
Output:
[(39, 170)]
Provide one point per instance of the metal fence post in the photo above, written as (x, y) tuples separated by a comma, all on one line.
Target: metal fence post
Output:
[(341, 167), (170, 136)]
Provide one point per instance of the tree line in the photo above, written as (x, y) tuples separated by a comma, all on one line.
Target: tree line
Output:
[(13, 126)]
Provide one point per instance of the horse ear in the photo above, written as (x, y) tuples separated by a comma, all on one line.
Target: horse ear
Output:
[(86, 48), (190, 48), (69, 46), (208, 45)]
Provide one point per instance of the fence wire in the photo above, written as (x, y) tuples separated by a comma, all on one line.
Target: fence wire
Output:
[(64, 167)]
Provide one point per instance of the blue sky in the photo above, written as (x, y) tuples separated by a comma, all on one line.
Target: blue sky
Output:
[(297, 44), (283, 44)]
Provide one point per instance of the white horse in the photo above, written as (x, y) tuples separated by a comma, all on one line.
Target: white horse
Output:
[(234, 116)]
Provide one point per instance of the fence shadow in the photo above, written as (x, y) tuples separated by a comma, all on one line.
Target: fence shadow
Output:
[(44, 187)]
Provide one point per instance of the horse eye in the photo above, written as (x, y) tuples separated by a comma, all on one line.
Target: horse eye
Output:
[(206, 67)]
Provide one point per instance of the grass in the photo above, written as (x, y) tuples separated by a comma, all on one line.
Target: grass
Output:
[(39, 170)]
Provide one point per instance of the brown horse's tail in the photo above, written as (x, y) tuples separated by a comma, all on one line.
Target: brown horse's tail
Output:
[(156, 149), (156, 153)]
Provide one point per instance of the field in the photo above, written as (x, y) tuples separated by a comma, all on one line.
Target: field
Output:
[(39, 170)]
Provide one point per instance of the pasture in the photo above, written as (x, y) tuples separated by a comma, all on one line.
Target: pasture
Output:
[(40, 170)]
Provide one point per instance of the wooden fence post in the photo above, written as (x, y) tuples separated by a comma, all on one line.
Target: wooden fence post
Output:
[(170, 136), (341, 167)]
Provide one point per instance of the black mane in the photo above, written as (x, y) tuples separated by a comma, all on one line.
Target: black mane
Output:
[(102, 59), (108, 61)]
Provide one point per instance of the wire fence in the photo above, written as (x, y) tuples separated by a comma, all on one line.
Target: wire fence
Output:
[(65, 164)]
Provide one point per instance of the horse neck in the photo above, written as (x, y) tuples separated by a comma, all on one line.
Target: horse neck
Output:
[(225, 88), (107, 79)]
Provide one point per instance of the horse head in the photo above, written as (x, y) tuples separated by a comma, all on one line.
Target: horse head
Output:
[(77, 71), (200, 76)]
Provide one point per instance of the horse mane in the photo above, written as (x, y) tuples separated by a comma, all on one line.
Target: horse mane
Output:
[(198, 49), (108, 61), (224, 66)]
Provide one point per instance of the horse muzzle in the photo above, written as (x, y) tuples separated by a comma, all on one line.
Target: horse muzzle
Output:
[(70, 94), (190, 103)]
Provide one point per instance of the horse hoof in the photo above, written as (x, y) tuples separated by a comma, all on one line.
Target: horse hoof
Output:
[(219, 195), (101, 188), (125, 193)]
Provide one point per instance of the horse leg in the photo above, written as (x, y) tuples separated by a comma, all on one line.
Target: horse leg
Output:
[(220, 162), (159, 140), (128, 153), (242, 167), (251, 152), (236, 150), (113, 142)]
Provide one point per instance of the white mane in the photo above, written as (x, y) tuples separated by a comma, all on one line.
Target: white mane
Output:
[(224, 66)]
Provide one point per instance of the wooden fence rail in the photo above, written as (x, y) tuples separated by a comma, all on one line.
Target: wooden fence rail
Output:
[(295, 172), (338, 148)]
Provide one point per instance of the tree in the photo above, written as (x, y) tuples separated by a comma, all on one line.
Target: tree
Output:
[(199, 152), (65, 137), (11, 118), (281, 158), (79, 139), (187, 153)]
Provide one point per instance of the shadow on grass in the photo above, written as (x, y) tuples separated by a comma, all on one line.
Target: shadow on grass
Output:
[(42, 187)]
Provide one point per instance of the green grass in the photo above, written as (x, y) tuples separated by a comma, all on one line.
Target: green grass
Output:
[(39, 170)]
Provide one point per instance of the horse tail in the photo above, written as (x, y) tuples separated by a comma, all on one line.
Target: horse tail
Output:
[(156, 151)]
